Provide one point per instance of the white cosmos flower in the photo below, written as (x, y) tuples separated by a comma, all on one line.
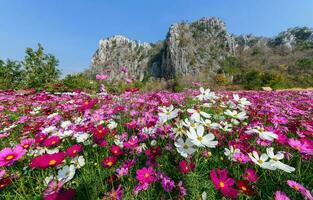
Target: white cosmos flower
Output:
[(198, 139), (275, 160), (225, 126), (66, 124), (81, 137), (118, 141), (208, 123), (184, 148), (243, 102), (264, 135), (48, 179), (167, 113), (206, 95), (197, 114), (66, 173), (52, 115), (231, 152), (190, 124), (179, 130), (78, 161), (148, 131), (49, 129), (262, 160), (112, 125), (240, 116)]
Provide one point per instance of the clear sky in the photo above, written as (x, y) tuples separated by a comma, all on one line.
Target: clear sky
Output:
[(71, 29)]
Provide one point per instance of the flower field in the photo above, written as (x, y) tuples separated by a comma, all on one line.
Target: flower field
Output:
[(196, 144)]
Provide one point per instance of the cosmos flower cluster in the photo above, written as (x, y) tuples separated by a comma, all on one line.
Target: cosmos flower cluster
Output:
[(142, 141)]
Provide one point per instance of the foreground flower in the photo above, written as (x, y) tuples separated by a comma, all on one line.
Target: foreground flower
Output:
[(167, 113), (74, 150), (264, 135), (185, 167), (109, 161), (275, 160), (198, 139), (184, 148), (47, 160), (167, 184), (281, 196), (145, 175), (262, 160), (250, 175), (115, 194), (223, 183), (9, 155), (300, 188), (66, 173)]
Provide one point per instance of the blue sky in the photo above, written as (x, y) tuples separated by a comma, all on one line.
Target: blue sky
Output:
[(71, 29)]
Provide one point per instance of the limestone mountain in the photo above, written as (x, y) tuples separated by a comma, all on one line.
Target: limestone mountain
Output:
[(199, 47)]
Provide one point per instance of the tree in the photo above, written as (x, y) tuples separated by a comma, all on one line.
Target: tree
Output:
[(40, 68), (10, 74)]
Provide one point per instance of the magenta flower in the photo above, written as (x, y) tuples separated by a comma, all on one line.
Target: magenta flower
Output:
[(300, 188), (9, 155), (26, 143), (223, 183), (281, 196), (74, 150), (47, 160), (167, 184), (115, 194), (250, 175), (145, 175), (52, 141), (101, 77)]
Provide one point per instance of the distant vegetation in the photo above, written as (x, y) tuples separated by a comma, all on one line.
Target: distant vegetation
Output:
[(251, 69)]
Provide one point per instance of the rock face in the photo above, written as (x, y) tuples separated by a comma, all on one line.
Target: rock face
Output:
[(189, 49), (196, 47), (119, 51)]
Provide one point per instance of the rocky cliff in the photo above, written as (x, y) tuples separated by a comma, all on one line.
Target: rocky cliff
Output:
[(189, 49)]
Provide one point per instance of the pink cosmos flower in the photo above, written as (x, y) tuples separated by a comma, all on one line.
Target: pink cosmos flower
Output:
[(250, 175), (47, 160), (281, 196), (242, 158), (9, 155), (116, 150), (2, 173), (182, 189), (52, 141), (223, 183), (124, 69), (27, 143), (300, 188), (101, 77), (109, 161), (115, 194), (185, 167), (145, 175), (74, 150), (301, 146), (167, 184)]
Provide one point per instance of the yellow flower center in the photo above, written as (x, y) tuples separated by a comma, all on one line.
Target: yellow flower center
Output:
[(260, 162), (110, 163), (52, 162), (53, 142), (296, 187), (186, 146), (199, 138), (147, 175), (9, 157), (243, 188), (25, 146), (222, 184)]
